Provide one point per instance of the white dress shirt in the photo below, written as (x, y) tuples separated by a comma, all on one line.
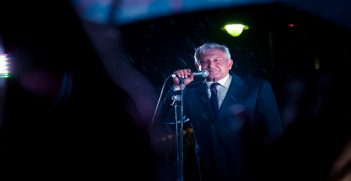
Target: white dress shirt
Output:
[(222, 88)]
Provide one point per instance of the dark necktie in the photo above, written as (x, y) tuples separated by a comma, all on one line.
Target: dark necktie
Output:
[(213, 98)]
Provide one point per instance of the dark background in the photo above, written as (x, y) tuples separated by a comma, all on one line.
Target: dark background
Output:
[(64, 115), (307, 65)]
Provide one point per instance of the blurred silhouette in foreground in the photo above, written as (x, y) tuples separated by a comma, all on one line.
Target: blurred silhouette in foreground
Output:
[(64, 115)]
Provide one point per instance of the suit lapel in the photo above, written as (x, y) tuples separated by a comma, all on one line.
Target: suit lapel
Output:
[(236, 88)]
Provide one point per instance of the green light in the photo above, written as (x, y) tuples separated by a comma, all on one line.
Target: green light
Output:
[(235, 29), (5, 75)]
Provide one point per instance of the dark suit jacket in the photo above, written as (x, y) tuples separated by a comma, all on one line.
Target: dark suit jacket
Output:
[(226, 143)]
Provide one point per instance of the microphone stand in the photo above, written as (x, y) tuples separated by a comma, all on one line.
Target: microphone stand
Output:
[(179, 125), (179, 122)]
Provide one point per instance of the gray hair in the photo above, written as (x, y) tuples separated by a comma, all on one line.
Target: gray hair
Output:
[(202, 49)]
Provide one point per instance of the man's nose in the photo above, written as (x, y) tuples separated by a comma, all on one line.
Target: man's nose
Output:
[(211, 64)]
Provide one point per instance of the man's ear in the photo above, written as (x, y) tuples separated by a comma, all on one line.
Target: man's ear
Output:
[(230, 64), (198, 66)]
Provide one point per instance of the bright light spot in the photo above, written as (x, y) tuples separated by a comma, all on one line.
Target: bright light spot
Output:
[(235, 29), (4, 68), (291, 25)]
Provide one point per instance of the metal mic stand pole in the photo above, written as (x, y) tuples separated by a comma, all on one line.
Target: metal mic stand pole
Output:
[(179, 133)]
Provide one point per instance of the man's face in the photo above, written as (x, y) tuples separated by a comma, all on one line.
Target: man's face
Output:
[(216, 63)]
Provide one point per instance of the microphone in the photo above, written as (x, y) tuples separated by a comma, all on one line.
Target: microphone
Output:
[(203, 73)]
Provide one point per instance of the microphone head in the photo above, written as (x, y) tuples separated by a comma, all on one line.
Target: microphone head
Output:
[(205, 73)]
